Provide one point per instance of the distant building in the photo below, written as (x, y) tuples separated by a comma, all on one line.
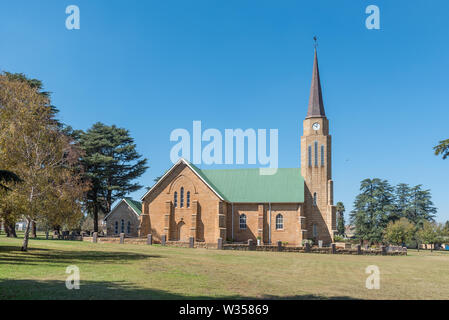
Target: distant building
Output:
[(124, 218)]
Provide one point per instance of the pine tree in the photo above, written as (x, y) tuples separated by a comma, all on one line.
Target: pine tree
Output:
[(442, 149), (111, 164), (372, 208), (421, 206), (403, 195)]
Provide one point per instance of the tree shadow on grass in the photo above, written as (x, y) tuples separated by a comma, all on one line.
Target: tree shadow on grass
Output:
[(105, 290), (13, 255)]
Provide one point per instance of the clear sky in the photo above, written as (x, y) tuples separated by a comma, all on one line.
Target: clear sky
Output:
[(154, 66)]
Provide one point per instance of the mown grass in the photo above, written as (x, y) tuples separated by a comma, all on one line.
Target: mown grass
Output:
[(114, 271)]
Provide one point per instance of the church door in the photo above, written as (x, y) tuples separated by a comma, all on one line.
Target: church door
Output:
[(182, 232)]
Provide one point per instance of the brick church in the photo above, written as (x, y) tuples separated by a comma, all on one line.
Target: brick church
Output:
[(292, 205)]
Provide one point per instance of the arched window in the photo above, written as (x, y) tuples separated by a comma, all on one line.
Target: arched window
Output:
[(242, 221), (322, 155), (175, 200), (122, 226), (316, 153), (181, 198), (188, 199), (314, 230), (310, 156), (116, 227), (128, 229), (279, 222)]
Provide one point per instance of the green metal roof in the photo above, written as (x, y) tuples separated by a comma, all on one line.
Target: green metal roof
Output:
[(136, 205), (248, 185)]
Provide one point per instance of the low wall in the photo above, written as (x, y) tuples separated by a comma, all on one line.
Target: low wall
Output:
[(178, 244), (390, 251), (116, 240), (323, 250)]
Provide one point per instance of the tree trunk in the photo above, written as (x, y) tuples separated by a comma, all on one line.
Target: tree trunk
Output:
[(95, 218), (26, 236), (109, 201), (10, 229), (33, 230)]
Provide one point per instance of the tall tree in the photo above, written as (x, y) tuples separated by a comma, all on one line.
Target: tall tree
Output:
[(442, 149), (372, 207), (38, 86), (340, 218), (111, 164), (33, 146), (421, 206), (403, 196)]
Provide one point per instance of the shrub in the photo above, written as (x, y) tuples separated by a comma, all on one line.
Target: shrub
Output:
[(309, 241)]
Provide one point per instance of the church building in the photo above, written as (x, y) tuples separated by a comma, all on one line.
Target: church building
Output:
[(293, 205)]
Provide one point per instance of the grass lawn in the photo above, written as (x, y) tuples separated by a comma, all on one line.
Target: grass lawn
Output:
[(114, 271)]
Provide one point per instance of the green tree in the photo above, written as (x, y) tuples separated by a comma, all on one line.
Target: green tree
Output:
[(340, 218), (111, 164), (429, 233), (399, 232), (413, 203), (442, 149), (372, 208), (403, 196), (421, 207), (33, 146), (38, 86)]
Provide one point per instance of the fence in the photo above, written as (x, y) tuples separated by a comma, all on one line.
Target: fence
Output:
[(252, 246)]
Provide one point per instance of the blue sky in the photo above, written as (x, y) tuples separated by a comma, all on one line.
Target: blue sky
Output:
[(154, 66)]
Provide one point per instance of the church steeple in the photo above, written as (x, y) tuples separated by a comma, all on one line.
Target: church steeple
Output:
[(316, 167), (316, 106)]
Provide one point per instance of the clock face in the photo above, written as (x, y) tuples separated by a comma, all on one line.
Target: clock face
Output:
[(316, 126)]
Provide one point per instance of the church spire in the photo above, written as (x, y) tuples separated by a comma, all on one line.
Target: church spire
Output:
[(316, 106)]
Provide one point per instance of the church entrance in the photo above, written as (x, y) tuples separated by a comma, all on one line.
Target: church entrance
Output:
[(182, 232)]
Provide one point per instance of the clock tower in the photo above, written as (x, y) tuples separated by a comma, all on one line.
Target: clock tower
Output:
[(316, 168)]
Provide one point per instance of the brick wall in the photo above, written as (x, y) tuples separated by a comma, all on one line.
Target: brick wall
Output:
[(199, 220), (125, 213)]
